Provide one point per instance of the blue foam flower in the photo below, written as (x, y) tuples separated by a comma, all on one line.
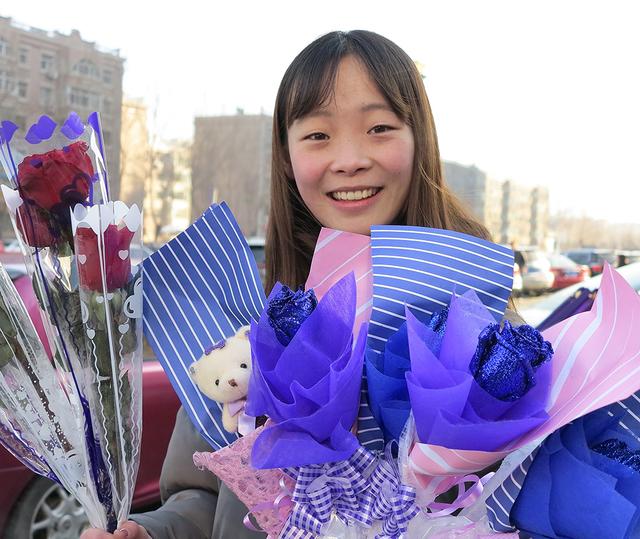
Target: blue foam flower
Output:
[(582, 484)]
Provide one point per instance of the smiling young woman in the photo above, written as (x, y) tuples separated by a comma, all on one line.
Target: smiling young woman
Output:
[(354, 144), (352, 159)]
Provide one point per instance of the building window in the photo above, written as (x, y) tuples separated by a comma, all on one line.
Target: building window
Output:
[(4, 47), (46, 96), (47, 62), (22, 89), (6, 81), (80, 97), (107, 106), (107, 76), (23, 55), (87, 68)]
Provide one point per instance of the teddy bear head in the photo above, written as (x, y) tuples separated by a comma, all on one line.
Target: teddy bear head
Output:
[(222, 373)]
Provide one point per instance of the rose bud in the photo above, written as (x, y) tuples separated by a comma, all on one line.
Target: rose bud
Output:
[(56, 177), (116, 253), (36, 229)]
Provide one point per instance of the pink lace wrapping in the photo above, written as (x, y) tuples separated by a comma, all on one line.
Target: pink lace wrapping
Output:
[(257, 489)]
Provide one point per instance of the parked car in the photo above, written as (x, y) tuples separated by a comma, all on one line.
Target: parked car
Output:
[(537, 276), (33, 507), (593, 258), (517, 280), (627, 257), (535, 313), (566, 272)]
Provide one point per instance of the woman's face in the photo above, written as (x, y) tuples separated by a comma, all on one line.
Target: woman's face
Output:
[(352, 159)]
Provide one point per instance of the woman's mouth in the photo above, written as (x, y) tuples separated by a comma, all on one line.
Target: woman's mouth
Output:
[(355, 194)]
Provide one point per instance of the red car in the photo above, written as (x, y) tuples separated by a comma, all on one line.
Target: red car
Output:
[(32, 507), (566, 272), (593, 258)]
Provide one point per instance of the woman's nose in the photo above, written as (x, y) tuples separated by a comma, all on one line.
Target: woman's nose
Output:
[(350, 158)]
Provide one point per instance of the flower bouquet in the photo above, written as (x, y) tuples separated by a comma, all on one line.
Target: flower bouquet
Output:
[(76, 244), (450, 389)]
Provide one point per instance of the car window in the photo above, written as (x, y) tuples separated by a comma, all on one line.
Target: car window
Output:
[(580, 257)]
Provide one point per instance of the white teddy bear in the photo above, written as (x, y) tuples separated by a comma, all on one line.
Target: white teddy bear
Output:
[(223, 373)]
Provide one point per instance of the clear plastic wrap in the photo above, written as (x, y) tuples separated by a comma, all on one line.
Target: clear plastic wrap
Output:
[(76, 245)]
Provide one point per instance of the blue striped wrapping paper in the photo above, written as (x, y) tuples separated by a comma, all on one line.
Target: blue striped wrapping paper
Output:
[(421, 268), (501, 501), (200, 288)]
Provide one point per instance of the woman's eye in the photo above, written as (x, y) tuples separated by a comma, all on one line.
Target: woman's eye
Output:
[(243, 365), (218, 382), (316, 136), (380, 129)]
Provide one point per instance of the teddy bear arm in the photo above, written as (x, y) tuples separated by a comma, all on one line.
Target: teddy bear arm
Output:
[(229, 422)]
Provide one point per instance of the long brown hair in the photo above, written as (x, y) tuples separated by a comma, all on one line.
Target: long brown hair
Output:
[(308, 83)]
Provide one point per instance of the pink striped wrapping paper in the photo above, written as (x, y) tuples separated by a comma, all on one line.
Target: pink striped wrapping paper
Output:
[(596, 362), (337, 254)]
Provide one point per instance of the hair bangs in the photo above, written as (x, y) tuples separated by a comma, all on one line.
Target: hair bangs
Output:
[(311, 88)]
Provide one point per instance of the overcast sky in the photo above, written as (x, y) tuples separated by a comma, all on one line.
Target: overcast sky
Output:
[(541, 92)]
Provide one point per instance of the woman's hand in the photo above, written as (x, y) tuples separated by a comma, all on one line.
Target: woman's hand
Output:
[(128, 530)]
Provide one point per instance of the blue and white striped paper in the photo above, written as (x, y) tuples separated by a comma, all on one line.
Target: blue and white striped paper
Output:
[(200, 288), (422, 267), (499, 504)]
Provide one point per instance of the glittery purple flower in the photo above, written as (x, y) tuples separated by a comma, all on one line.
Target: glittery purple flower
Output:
[(288, 310), (507, 358)]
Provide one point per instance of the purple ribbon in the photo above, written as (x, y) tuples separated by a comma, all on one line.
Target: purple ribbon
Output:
[(464, 498), (390, 500), (283, 501), (362, 489), (246, 423), (322, 489)]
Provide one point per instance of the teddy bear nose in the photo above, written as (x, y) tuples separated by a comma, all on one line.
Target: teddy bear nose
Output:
[(233, 383)]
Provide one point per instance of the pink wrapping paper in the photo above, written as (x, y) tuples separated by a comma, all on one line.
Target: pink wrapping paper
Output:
[(596, 362), (337, 254), (257, 489)]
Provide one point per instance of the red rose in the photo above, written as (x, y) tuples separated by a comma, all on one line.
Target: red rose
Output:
[(116, 256), (56, 177), (36, 230)]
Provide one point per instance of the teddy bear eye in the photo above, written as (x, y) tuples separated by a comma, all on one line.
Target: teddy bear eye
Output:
[(218, 382), (243, 365)]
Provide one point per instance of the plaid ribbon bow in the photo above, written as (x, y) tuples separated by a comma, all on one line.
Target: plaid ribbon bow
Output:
[(391, 501), (321, 490)]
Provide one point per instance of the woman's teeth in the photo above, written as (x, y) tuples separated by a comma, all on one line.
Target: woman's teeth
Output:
[(354, 195)]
